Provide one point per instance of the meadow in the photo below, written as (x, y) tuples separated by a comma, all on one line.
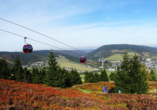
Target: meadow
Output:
[(86, 96), (63, 62), (118, 57)]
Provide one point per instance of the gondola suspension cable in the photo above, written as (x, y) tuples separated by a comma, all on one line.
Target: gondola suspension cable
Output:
[(35, 40), (40, 34)]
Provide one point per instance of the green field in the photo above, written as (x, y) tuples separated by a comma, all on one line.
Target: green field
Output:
[(118, 57), (63, 62)]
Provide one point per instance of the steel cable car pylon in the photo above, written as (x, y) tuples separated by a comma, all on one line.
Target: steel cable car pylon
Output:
[(27, 48)]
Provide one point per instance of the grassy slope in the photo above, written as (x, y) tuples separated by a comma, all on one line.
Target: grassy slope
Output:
[(63, 62), (117, 57)]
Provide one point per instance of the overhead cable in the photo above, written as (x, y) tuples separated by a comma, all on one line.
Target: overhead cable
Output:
[(35, 40), (40, 34)]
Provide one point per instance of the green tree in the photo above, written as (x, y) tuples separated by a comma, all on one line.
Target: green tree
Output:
[(138, 76), (152, 75), (51, 72), (104, 76), (55, 76), (17, 70), (42, 75), (152, 72), (75, 77), (4, 70), (64, 78), (89, 77), (148, 75), (130, 78), (19, 76), (97, 77), (112, 75), (35, 75), (27, 75)]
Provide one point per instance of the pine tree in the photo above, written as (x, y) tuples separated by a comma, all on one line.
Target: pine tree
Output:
[(152, 75), (140, 84), (75, 77), (19, 76), (51, 73), (121, 77), (148, 75), (130, 78), (35, 75), (27, 75), (64, 78), (112, 75), (104, 76), (97, 77), (152, 72), (126, 62), (42, 75), (17, 70), (4, 70), (89, 77)]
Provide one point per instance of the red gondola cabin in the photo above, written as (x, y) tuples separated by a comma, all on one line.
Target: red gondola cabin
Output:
[(82, 59), (27, 48)]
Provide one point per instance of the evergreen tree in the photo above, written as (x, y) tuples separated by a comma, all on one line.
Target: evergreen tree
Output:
[(153, 75), (89, 77), (64, 78), (140, 84), (112, 75), (52, 74), (97, 77), (17, 70), (75, 77), (35, 75), (130, 78), (126, 62), (27, 75), (42, 75), (152, 72), (4, 70), (148, 75), (104, 76), (19, 76)]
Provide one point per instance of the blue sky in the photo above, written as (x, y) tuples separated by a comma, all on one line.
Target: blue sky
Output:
[(83, 24)]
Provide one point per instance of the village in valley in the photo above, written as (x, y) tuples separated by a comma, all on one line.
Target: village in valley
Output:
[(150, 64)]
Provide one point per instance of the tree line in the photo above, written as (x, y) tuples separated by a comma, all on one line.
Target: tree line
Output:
[(91, 77), (53, 75)]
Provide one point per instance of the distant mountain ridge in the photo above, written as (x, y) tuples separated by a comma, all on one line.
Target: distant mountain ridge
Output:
[(108, 50), (73, 55)]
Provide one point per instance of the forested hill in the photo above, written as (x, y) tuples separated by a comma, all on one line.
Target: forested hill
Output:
[(108, 50), (36, 56)]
